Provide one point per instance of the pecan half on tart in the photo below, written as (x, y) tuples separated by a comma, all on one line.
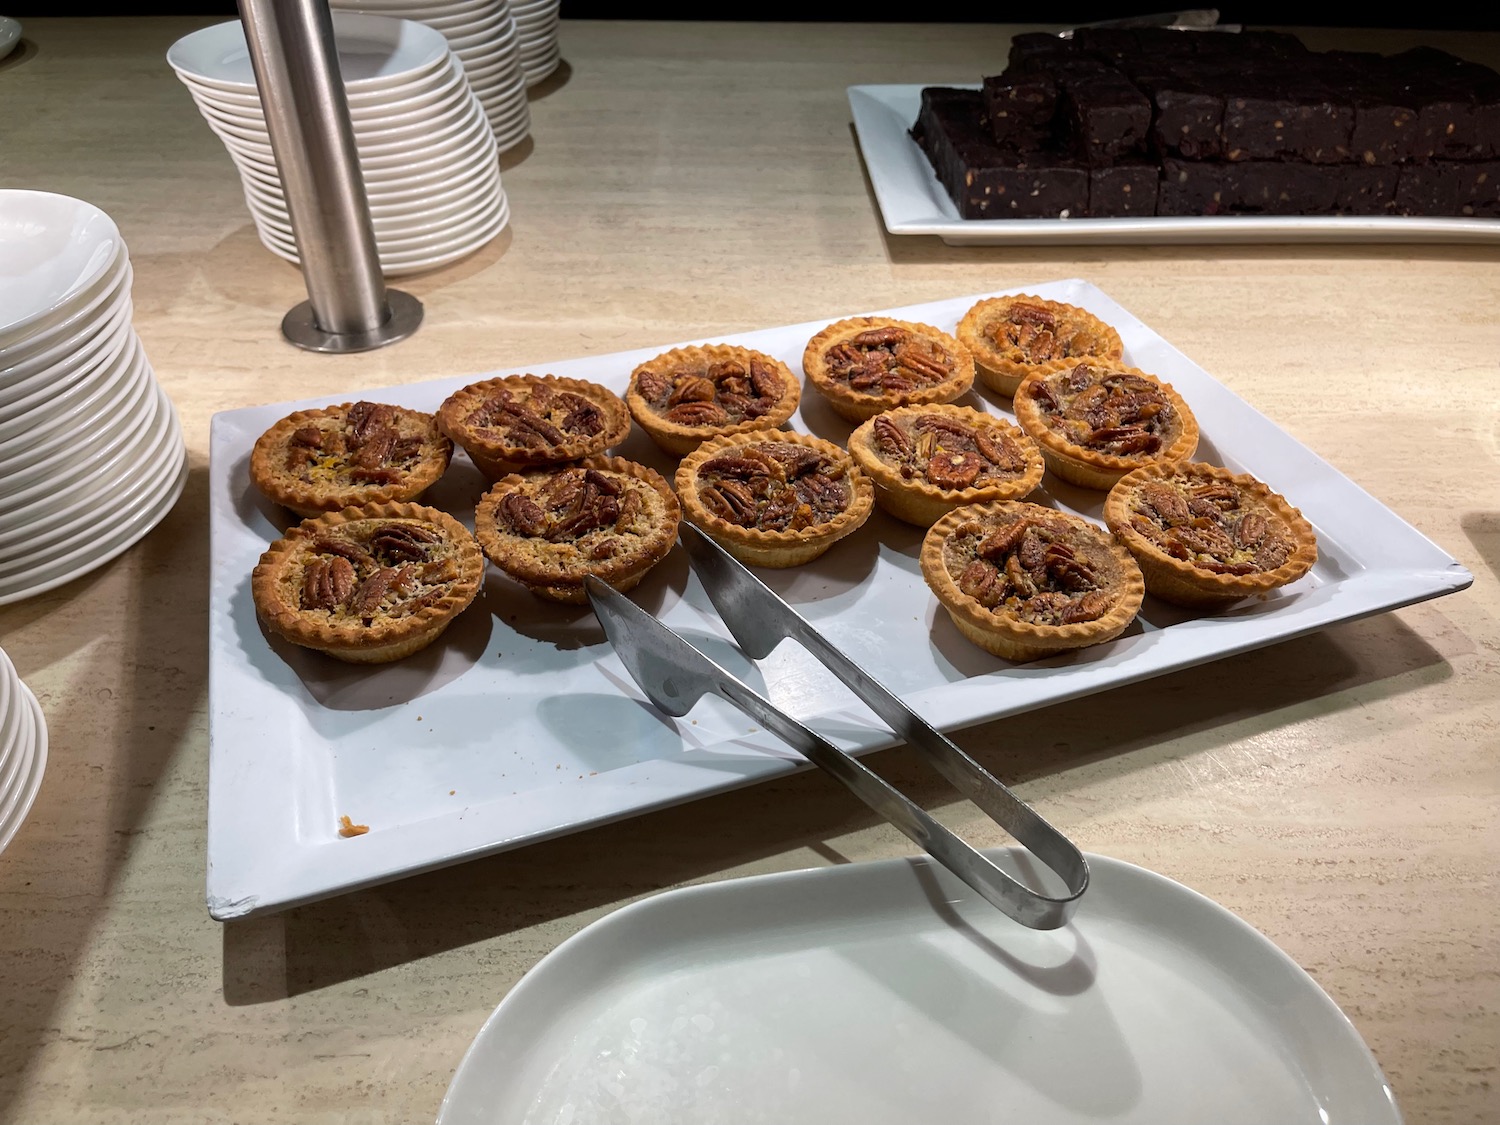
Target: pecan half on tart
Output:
[(868, 364), (1095, 423), (1205, 536), (1023, 581), (550, 528), (927, 460), (518, 422), (342, 456), (369, 584), (683, 397), (1012, 337), (774, 500)]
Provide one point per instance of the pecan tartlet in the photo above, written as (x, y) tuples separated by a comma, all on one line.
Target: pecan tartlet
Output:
[(370, 584), (1023, 581), (518, 422), (1095, 423), (868, 364), (342, 456), (927, 460), (550, 528), (683, 397), (1205, 536), (774, 500), (1012, 337)]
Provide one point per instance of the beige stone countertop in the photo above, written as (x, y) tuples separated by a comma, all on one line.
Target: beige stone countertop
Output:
[(1339, 791)]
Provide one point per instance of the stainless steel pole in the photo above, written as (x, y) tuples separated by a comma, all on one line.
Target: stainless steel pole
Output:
[(349, 308)]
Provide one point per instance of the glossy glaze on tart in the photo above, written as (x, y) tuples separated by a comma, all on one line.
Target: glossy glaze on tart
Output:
[(1024, 581), (550, 528), (355, 453), (1013, 337), (1096, 423), (518, 422), (868, 364), (1205, 536), (927, 460), (683, 397), (774, 500), (369, 584)]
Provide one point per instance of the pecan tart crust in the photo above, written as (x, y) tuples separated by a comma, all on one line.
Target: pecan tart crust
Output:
[(1096, 423), (683, 397), (774, 500), (518, 422), (342, 456), (369, 584), (1023, 581), (868, 364), (605, 516), (1011, 337), (1205, 536), (927, 460)]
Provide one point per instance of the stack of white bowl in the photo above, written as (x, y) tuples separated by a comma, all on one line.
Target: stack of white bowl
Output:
[(91, 451), (483, 36), (431, 166), (536, 24), (23, 750)]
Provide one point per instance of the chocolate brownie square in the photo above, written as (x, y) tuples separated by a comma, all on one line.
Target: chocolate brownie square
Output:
[(1104, 115), (1188, 114), (1020, 109), (1276, 187), (1191, 187), (1278, 115), (1366, 189), (985, 181), (1124, 190), (1450, 188)]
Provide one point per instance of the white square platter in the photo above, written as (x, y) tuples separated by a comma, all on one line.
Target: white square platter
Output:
[(912, 201), (519, 724)]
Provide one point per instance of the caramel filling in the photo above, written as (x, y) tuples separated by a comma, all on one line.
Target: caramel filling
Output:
[(774, 486), (538, 417), (1033, 334), (945, 452), (1039, 570), (1210, 524), (718, 393), (889, 360), (372, 569), (1111, 412), (582, 514), (371, 444)]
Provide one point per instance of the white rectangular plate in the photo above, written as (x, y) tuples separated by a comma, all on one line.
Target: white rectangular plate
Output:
[(912, 201), (519, 724)]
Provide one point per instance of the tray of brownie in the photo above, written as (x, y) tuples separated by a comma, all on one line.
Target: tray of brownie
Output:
[(1166, 135)]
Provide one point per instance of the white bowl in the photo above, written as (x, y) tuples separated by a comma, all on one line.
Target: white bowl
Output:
[(52, 248), (42, 386), (374, 52), (248, 101), (39, 419), (65, 333)]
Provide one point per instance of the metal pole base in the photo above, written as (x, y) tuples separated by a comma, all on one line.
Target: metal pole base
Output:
[(300, 328)]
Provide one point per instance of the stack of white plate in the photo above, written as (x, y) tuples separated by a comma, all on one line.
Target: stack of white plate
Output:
[(483, 36), (91, 452), (23, 750), (536, 24), (431, 166)]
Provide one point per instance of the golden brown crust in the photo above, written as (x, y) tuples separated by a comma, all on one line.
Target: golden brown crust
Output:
[(868, 364), (342, 456), (927, 460), (685, 396), (1096, 423), (549, 528), (369, 584), (1012, 337), (1205, 536), (1024, 581), (517, 422), (794, 495)]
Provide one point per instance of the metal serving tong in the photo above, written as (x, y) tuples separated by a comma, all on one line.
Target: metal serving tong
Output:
[(675, 675)]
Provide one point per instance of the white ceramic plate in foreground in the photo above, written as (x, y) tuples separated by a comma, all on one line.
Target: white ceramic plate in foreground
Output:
[(887, 993), (912, 201), (520, 723)]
